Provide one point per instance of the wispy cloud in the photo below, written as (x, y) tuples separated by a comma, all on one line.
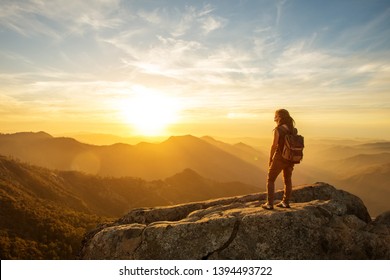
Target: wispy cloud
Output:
[(54, 18), (219, 59), (279, 10), (210, 23), (364, 37), (153, 16)]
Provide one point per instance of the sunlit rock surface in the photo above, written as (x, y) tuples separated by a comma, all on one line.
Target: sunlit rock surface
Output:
[(323, 223)]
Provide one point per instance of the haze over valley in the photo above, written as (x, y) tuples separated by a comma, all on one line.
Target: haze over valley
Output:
[(65, 187), (360, 166)]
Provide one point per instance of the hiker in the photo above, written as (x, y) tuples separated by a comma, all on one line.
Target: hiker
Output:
[(285, 124)]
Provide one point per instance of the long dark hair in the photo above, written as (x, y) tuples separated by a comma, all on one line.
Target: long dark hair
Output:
[(285, 118)]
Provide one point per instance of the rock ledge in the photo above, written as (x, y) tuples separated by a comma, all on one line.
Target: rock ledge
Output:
[(323, 223)]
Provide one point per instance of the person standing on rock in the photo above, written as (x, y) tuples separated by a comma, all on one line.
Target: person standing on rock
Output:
[(277, 164)]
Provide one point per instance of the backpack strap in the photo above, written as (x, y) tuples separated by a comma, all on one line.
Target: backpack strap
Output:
[(287, 130)]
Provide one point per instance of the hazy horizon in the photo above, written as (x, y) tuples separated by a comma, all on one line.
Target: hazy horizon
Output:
[(99, 138), (161, 68), (360, 166)]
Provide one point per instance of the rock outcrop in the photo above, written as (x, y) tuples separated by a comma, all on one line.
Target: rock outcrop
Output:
[(323, 223)]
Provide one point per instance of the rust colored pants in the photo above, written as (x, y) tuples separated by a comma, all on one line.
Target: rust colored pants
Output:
[(277, 166)]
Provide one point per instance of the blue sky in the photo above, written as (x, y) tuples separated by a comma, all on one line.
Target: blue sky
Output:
[(224, 66)]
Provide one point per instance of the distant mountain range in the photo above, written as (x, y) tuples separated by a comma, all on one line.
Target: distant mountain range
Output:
[(360, 168), (372, 184), (206, 156), (53, 189), (337, 161)]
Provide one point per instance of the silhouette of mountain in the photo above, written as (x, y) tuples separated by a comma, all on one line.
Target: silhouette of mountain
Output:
[(372, 185), (358, 163), (323, 150), (357, 168), (242, 151), (209, 160), (145, 160), (189, 184), (109, 139), (334, 161), (382, 146)]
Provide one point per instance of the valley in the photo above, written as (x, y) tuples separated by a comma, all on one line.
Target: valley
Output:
[(55, 189)]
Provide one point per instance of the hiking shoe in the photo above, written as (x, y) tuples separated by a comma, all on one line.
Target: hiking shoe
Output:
[(283, 204), (267, 206)]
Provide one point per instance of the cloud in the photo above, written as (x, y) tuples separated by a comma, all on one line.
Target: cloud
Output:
[(178, 22), (210, 23), (153, 17), (12, 110), (279, 9), (190, 61), (54, 18), (206, 10), (21, 17), (184, 23), (187, 51), (55, 96), (14, 58)]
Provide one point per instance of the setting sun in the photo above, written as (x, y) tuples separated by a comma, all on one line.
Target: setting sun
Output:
[(149, 112)]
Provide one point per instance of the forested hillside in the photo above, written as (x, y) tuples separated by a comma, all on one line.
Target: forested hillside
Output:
[(45, 213)]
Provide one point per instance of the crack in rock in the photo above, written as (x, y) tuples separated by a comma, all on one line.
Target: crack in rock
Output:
[(228, 242)]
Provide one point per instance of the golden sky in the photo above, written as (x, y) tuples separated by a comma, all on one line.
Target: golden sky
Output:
[(192, 67)]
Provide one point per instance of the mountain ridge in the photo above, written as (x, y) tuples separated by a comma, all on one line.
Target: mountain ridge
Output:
[(333, 161), (150, 161), (58, 206)]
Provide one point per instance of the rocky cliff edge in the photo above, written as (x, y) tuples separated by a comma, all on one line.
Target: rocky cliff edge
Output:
[(323, 223)]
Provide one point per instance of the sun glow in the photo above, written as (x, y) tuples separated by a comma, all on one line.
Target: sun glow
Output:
[(150, 112)]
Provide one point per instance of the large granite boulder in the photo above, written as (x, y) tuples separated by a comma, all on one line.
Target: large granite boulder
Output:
[(323, 223)]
